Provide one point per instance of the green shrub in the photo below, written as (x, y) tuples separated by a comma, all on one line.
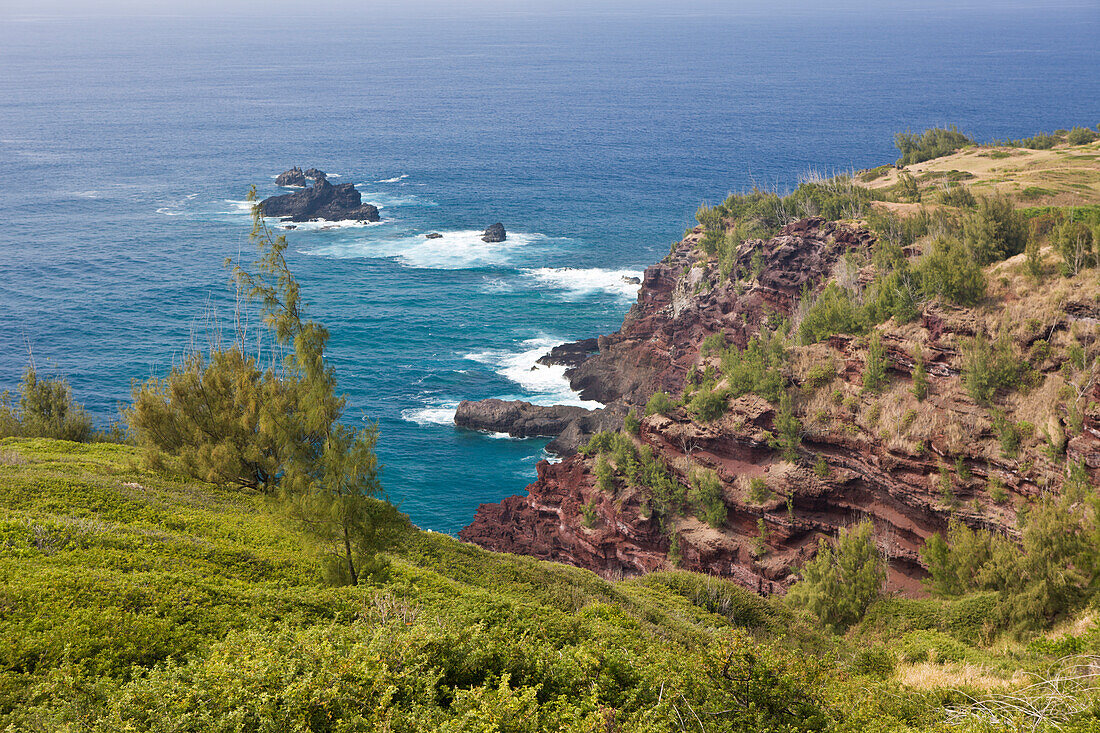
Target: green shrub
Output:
[(758, 490), (757, 368), (659, 404), (821, 373), (959, 196), (705, 495), (833, 311), (873, 661), (713, 344), (45, 410), (874, 371), (788, 429), (949, 270), (631, 423), (994, 231), (932, 646), (1081, 136), (1073, 240), (605, 477), (843, 579), (920, 378), (709, 405), (989, 366), (935, 142)]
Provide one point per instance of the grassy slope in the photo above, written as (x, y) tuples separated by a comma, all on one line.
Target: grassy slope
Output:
[(136, 601), (1062, 176), (108, 570)]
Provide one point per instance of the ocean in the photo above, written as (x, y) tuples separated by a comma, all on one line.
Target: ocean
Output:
[(128, 143)]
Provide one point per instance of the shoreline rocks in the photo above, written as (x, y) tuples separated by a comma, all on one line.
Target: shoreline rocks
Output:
[(569, 425)]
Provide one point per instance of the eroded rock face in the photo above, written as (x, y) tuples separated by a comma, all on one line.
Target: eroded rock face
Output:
[(495, 233), (851, 465), (321, 201)]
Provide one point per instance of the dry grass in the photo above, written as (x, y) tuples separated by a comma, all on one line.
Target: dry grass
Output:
[(11, 458), (1070, 175), (930, 676)]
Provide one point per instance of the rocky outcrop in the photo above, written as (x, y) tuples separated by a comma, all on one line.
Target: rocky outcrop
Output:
[(495, 233), (571, 426), (433, 235), (322, 201), (572, 354)]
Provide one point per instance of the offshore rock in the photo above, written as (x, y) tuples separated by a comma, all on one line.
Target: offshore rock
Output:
[(495, 233), (321, 201)]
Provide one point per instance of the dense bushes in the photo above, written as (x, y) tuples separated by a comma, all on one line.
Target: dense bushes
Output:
[(843, 579), (45, 409), (757, 368), (640, 467), (948, 269), (834, 310), (1051, 572), (932, 143), (990, 366), (705, 496), (994, 231)]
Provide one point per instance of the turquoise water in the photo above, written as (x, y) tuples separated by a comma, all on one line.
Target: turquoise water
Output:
[(126, 145)]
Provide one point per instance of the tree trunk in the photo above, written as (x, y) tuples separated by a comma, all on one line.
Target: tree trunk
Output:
[(351, 560)]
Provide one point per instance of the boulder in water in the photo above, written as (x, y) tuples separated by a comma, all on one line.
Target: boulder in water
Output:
[(494, 233)]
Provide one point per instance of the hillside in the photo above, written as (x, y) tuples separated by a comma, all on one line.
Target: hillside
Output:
[(138, 601)]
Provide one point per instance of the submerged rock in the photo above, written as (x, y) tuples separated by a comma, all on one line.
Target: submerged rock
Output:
[(321, 201), (494, 233)]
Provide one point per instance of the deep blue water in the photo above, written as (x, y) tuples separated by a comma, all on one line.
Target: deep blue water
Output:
[(593, 136)]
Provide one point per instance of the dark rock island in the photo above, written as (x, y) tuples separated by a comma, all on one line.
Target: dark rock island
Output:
[(321, 201), (494, 233)]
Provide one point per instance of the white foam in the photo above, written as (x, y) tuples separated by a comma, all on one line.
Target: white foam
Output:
[(241, 207), (443, 414), (456, 250), (395, 179), (579, 283), (544, 385), (382, 200), (322, 225), (168, 212)]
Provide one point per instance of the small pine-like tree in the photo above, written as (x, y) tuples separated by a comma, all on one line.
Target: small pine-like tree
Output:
[(45, 410), (874, 373), (788, 429), (843, 579), (920, 378)]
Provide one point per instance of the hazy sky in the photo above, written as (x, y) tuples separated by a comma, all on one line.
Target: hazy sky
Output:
[(364, 9)]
